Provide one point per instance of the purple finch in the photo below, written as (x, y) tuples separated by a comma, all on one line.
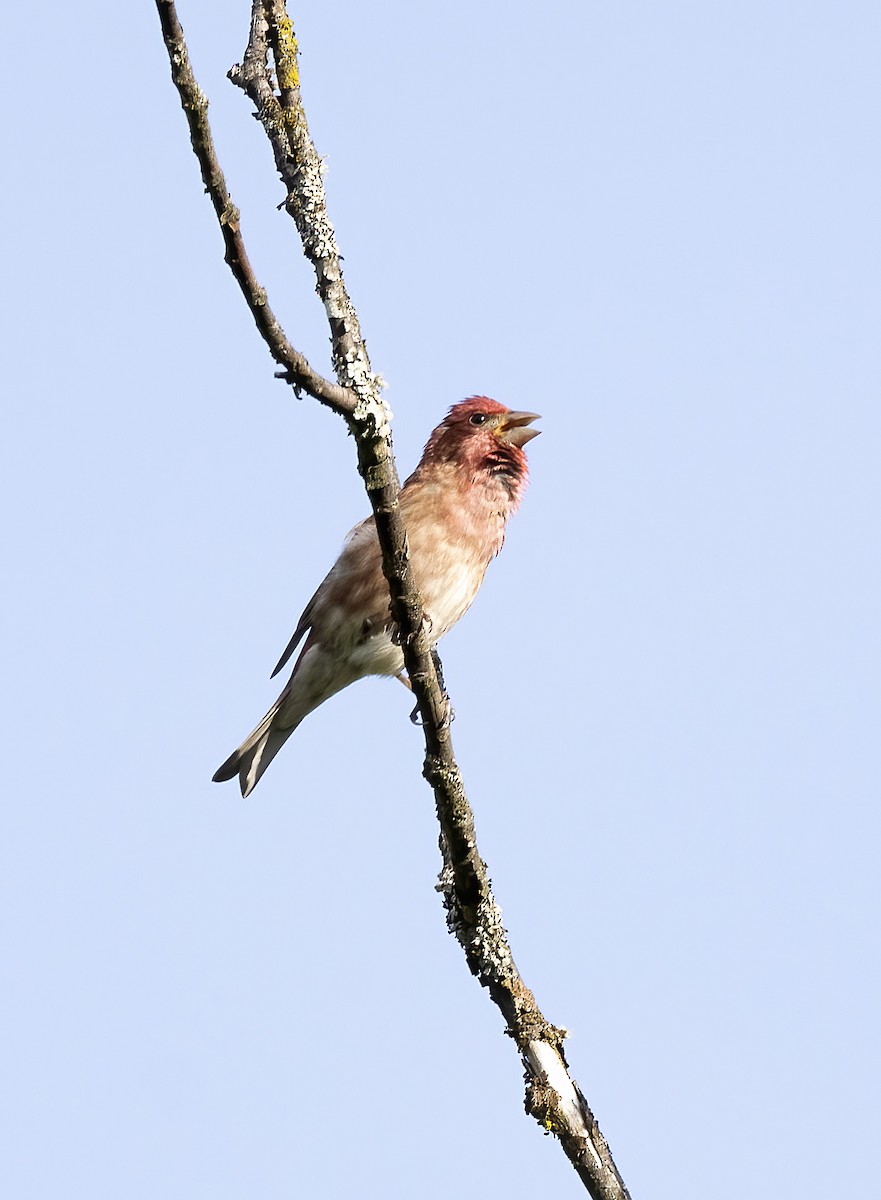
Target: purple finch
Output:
[(455, 505)]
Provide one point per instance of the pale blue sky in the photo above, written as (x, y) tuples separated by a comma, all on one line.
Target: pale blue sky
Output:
[(657, 225)]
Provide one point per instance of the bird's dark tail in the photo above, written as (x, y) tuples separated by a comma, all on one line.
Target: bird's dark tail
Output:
[(255, 753)]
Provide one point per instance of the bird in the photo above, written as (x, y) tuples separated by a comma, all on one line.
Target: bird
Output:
[(455, 506)]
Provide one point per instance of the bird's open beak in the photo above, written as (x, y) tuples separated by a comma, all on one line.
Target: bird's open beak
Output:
[(513, 428)]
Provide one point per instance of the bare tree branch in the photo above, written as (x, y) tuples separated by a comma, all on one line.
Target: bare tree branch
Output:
[(195, 105), (552, 1097), (299, 166)]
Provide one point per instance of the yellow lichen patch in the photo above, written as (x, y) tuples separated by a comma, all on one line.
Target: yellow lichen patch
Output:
[(286, 65)]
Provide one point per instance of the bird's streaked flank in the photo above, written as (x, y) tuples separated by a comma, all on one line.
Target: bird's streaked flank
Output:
[(455, 506)]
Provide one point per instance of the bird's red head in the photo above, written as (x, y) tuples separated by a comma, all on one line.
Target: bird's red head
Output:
[(484, 437)]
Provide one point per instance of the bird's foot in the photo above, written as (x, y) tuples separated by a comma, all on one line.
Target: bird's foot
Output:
[(446, 720), (449, 712)]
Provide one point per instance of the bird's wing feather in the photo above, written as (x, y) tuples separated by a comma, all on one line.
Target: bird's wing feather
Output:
[(302, 625), (363, 531)]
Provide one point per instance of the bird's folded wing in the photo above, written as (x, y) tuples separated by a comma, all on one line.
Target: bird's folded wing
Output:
[(303, 624)]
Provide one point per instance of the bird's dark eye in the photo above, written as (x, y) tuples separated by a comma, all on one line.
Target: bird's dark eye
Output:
[(477, 418)]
